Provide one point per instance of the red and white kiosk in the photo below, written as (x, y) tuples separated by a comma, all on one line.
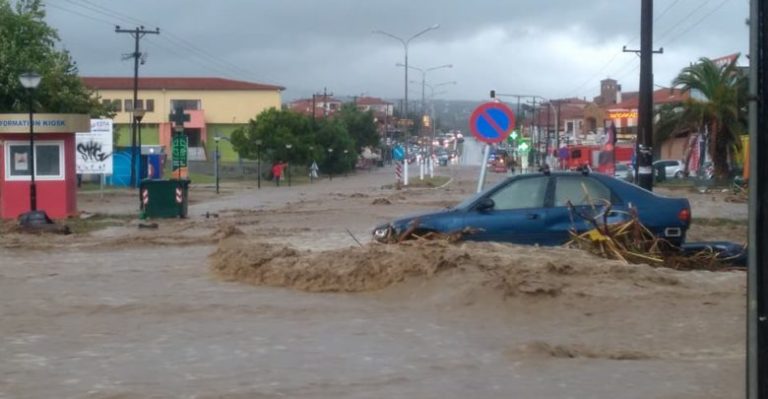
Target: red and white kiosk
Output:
[(54, 157)]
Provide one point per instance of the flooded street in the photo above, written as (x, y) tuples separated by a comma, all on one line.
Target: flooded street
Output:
[(130, 313)]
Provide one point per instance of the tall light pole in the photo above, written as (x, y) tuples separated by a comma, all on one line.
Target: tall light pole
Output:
[(405, 43), (30, 81), (432, 116), (330, 169), (424, 80)]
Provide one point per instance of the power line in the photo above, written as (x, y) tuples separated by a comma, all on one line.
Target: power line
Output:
[(169, 36), (106, 12), (699, 21), (80, 14), (616, 55), (661, 14), (209, 61), (696, 9)]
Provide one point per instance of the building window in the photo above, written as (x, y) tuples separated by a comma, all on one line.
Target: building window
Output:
[(17, 161), (150, 106), (117, 105), (185, 104), (139, 104), (128, 105), (106, 103), (49, 160)]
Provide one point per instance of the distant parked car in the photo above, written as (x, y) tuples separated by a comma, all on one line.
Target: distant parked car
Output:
[(533, 209), (672, 167), (624, 172)]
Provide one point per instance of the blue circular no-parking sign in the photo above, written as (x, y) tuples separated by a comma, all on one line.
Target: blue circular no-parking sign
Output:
[(492, 122)]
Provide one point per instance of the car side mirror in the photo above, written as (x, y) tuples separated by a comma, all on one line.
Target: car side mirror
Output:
[(485, 204)]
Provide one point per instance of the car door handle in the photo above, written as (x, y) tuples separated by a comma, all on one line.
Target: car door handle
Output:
[(533, 216)]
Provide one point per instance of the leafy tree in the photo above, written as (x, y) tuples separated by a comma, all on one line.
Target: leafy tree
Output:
[(27, 44), (360, 125), (721, 110), (332, 134), (275, 128)]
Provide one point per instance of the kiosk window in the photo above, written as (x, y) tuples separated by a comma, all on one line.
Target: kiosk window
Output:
[(49, 160), (18, 157)]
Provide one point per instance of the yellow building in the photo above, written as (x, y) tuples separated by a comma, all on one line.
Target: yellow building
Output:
[(214, 105)]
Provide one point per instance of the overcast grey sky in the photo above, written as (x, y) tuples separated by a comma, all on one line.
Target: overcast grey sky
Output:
[(552, 48)]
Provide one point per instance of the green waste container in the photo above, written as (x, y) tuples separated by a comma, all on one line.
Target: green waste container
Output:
[(660, 172), (164, 198)]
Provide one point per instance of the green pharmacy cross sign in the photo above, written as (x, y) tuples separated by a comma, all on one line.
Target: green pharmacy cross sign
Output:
[(179, 151), (178, 117), (180, 143), (512, 137)]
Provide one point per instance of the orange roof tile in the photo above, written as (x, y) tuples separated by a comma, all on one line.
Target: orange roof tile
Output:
[(174, 83)]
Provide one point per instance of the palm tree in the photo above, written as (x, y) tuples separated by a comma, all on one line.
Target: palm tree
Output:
[(718, 104)]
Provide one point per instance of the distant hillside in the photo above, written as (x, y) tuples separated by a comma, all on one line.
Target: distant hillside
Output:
[(451, 114)]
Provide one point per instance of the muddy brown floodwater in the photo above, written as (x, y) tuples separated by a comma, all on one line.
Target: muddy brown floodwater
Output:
[(272, 298)]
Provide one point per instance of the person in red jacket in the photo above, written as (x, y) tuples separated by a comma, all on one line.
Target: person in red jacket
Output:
[(277, 172)]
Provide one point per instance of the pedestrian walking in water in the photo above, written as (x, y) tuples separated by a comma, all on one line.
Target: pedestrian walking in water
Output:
[(277, 172)]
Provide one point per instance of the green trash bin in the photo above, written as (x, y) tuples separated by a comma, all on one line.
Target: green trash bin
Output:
[(661, 172), (163, 198)]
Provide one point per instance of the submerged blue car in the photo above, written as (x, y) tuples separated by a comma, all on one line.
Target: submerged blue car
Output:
[(542, 209)]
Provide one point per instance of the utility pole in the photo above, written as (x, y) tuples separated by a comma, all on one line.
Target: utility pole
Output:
[(534, 133), (757, 276), (557, 133), (549, 123), (137, 34), (644, 175), (313, 107)]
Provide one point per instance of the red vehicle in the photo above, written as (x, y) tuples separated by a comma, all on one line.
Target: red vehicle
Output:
[(580, 155)]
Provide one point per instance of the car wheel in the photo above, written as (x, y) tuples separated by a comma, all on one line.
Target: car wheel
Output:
[(679, 174)]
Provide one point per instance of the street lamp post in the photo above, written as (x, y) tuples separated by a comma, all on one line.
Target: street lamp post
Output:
[(346, 171), (432, 116), (330, 169), (312, 156), (258, 162), (424, 81), (288, 147), (30, 81), (216, 160), (405, 43)]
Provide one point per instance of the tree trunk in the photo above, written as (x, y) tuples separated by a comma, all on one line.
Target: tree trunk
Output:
[(718, 152)]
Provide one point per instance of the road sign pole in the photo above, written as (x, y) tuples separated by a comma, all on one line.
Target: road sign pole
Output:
[(405, 170), (484, 168), (490, 123)]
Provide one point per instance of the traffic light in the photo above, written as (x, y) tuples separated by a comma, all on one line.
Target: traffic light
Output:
[(493, 93), (425, 121)]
